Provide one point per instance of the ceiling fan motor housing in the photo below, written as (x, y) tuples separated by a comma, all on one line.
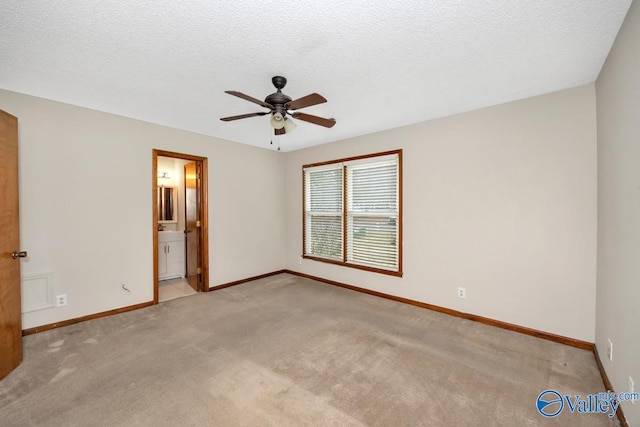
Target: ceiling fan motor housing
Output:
[(277, 99)]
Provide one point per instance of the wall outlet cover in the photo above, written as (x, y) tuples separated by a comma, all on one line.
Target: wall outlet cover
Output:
[(61, 300)]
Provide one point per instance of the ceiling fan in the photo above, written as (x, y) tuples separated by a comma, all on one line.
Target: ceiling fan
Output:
[(280, 105)]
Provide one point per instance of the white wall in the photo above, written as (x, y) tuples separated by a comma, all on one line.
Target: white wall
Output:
[(86, 204), (618, 294), (501, 201)]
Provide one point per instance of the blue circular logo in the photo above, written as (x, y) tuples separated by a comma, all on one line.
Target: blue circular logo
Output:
[(549, 403)]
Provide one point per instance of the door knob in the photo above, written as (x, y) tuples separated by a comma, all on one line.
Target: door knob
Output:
[(21, 254)]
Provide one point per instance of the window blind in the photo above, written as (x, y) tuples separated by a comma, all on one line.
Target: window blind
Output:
[(323, 212), (352, 212), (372, 214)]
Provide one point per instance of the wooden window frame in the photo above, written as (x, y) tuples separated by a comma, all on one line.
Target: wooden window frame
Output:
[(344, 262)]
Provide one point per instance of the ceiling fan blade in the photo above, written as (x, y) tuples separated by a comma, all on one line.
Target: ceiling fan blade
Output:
[(243, 116), (305, 101), (279, 131), (314, 119), (248, 98)]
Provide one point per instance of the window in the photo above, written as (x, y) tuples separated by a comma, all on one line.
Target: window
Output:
[(352, 212)]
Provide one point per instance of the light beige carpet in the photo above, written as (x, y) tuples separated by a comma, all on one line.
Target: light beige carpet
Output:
[(287, 351)]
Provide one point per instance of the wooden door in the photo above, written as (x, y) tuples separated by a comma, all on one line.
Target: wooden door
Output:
[(10, 305), (193, 224)]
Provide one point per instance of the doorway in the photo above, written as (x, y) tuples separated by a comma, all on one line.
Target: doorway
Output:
[(180, 220)]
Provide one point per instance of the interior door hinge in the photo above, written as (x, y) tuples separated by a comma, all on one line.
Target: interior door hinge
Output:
[(198, 223), (199, 270)]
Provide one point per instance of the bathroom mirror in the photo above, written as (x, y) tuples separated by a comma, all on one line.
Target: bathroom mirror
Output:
[(167, 204)]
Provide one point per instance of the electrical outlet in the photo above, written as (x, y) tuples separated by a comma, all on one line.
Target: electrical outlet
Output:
[(610, 350), (61, 300), (462, 293), (632, 389), (299, 260)]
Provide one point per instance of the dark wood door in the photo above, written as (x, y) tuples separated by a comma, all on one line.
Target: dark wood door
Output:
[(10, 304), (193, 224)]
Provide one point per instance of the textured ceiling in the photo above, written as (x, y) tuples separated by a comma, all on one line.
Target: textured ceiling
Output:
[(380, 64)]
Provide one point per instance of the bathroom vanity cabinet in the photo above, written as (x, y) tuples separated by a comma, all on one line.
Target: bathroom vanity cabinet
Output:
[(171, 254)]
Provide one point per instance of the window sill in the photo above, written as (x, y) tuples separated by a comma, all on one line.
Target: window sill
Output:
[(356, 266)]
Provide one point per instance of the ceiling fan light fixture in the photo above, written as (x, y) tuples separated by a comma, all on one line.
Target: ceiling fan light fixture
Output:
[(289, 126), (277, 120)]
